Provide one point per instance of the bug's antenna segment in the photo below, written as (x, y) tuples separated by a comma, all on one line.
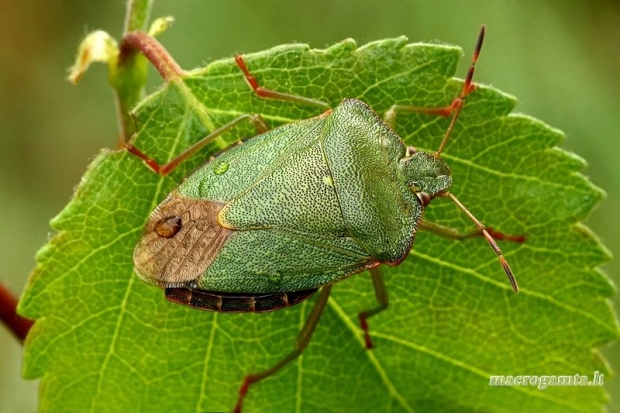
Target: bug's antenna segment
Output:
[(468, 87), (490, 240)]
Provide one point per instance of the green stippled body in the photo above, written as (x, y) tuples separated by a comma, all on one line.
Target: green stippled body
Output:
[(296, 208), (267, 224), (303, 198)]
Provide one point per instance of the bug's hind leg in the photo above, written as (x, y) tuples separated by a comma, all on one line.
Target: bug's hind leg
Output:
[(256, 120), (302, 342)]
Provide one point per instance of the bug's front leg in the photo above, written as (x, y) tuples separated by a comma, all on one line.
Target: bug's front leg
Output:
[(302, 342), (382, 298), (452, 233), (487, 233), (453, 109)]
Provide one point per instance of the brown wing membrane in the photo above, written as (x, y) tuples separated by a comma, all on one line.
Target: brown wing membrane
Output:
[(235, 302), (181, 238)]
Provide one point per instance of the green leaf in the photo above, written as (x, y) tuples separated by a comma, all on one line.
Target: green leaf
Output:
[(105, 341)]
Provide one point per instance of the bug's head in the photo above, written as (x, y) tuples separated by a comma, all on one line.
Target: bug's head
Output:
[(425, 174)]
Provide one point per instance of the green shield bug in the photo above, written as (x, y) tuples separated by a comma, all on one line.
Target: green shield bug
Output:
[(293, 210)]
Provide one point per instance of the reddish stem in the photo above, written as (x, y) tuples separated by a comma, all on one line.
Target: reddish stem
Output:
[(153, 50), (18, 325)]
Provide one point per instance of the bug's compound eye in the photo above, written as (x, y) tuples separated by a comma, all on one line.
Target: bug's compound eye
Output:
[(424, 198), (168, 227), (410, 151)]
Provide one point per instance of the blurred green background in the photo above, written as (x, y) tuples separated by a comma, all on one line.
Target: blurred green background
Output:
[(561, 59)]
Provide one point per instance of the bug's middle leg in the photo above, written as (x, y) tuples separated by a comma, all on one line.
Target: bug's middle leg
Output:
[(382, 298), (274, 94)]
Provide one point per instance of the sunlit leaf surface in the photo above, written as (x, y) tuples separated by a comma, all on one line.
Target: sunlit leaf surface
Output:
[(105, 341)]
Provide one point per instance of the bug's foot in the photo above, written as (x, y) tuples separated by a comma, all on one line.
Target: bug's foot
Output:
[(364, 325), (247, 380), (505, 237)]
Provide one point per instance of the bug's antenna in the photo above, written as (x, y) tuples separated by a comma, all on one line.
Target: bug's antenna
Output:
[(490, 240), (468, 87)]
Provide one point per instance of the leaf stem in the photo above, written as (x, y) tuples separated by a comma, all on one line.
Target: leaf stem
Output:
[(18, 325), (129, 77), (137, 17), (153, 50)]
